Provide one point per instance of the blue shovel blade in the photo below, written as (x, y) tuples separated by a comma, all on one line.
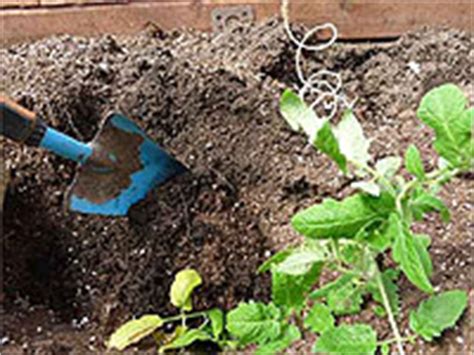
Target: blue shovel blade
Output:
[(135, 165)]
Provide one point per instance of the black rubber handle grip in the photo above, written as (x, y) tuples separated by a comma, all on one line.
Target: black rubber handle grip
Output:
[(19, 124)]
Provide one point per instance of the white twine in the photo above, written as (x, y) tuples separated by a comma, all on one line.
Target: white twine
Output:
[(324, 85)]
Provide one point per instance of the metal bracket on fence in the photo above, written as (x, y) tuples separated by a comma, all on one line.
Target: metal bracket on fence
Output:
[(225, 17)]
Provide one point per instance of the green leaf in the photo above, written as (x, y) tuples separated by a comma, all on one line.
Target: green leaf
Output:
[(438, 313), (369, 187), (186, 339), (444, 110), (389, 277), (388, 167), (288, 337), (254, 323), (327, 143), (134, 331), (319, 318), (323, 292), (301, 261), (384, 204), (184, 284), (335, 219), (406, 252), (358, 339), (413, 162), (345, 300), (379, 240), (350, 253), (423, 253), (276, 258), (425, 203), (299, 115), (379, 311), (385, 349), (217, 321), (290, 291), (352, 142)]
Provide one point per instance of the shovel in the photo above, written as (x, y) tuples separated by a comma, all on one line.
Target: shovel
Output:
[(116, 169)]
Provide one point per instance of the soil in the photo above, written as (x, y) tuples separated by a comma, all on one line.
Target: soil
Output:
[(212, 101)]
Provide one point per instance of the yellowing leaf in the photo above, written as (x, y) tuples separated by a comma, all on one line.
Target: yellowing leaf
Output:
[(134, 331), (352, 142), (184, 284), (299, 115)]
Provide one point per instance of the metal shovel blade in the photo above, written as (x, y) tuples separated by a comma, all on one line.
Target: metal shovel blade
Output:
[(124, 166)]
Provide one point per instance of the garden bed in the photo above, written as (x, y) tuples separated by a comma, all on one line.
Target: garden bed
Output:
[(212, 101)]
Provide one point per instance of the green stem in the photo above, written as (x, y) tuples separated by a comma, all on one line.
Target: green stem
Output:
[(388, 186), (402, 195), (439, 175), (388, 309), (431, 179), (182, 316)]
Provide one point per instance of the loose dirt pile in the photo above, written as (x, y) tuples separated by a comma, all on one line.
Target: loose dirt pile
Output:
[(212, 101)]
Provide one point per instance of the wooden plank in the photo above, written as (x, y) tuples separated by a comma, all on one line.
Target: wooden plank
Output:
[(18, 3), (355, 19), (79, 2)]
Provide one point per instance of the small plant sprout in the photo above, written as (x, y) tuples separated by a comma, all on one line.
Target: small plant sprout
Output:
[(210, 328)]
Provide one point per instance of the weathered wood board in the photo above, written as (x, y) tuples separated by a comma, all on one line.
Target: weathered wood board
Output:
[(355, 19)]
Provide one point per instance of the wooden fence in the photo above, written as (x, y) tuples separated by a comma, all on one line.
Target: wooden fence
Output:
[(22, 20)]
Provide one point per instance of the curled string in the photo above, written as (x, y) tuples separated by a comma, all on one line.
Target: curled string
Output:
[(324, 86)]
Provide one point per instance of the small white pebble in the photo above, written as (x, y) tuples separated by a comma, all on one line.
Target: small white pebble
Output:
[(267, 253), (84, 321), (39, 329), (459, 340), (4, 340)]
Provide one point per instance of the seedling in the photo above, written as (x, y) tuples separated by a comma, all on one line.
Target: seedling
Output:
[(210, 328), (347, 236)]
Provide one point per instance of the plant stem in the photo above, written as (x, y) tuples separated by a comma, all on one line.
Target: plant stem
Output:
[(401, 196), (375, 175), (388, 309), (180, 317), (432, 178)]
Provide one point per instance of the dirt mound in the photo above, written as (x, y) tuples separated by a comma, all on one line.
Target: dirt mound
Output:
[(211, 100)]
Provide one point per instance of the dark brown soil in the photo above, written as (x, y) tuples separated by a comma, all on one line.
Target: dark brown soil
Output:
[(211, 100)]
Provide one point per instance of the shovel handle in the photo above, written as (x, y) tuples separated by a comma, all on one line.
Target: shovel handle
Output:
[(20, 124)]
